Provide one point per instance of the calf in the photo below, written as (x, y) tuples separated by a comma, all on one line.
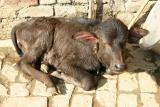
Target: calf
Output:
[(74, 49)]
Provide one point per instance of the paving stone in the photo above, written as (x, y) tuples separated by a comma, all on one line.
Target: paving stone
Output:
[(105, 1), (106, 12), (81, 100), (29, 2), (4, 81), (18, 89), (9, 72), (23, 77), (64, 1), (118, 5), (107, 76), (9, 56), (18, 2), (73, 10), (6, 26), (3, 52), (127, 82), (105, 99), (80, 1), (133, 6), (127, 100), (125, 17), (3, 90), (24, 102), (107, 85), (2, 55), (8, 11), (6, 43), (80, 90), (47, 1), (37, 11), (149, 100), (4, 2), (40, 89), (147, 83), (62, 100), (1, 64)]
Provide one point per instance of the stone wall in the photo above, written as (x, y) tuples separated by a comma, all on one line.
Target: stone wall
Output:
[(16, 11)]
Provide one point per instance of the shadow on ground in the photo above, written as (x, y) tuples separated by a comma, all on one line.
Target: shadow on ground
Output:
[(139, 60)]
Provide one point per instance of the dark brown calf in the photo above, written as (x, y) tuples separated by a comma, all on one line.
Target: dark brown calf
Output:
[(74, 49)]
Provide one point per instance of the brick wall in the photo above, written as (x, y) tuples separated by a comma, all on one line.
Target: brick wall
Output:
[(16, 11)]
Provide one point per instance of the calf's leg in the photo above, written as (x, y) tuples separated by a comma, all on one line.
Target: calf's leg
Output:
[(78, 77), (29, 59)]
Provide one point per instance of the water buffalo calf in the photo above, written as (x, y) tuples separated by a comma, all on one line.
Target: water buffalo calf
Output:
[(72, 48)]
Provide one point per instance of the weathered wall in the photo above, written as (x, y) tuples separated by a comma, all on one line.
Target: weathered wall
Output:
[(15, 11)]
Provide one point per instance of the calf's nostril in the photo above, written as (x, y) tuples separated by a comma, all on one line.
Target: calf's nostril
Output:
[(120, 66)]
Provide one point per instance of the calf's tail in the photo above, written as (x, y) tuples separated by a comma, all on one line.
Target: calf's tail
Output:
[(14, 40)]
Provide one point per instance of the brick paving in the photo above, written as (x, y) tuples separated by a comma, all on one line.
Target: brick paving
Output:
[(133, 88)]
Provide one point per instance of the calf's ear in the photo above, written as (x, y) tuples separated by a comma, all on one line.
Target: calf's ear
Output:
[(85, 37), (136, 33)]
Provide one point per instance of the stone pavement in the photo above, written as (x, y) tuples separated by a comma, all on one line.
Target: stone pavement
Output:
[(136, 87)]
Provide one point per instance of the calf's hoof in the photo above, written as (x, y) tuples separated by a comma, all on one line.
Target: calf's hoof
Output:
[(89, 84)]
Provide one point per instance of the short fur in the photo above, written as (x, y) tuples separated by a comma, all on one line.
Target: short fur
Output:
[(72, 47)]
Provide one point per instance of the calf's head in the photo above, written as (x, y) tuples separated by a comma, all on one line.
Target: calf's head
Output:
[(107, 44), (108, 41), (112, 35)]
